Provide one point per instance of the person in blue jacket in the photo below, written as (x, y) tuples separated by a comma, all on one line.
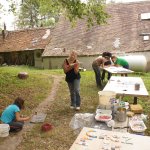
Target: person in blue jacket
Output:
[(11, 115)]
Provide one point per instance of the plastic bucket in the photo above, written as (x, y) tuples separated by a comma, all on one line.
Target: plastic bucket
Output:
[(4, 130), (105, 98)]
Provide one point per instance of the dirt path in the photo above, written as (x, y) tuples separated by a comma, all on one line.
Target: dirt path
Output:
[(13, 141)]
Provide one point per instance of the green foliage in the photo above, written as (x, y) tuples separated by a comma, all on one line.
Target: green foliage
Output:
[(91, 10), (28, 16), (34, 13)]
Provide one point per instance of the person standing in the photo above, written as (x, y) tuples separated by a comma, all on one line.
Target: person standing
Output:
[(71, 69), (11, 115), (97, 63), (120, 62)]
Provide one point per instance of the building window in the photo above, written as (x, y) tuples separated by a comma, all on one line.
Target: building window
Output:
[(145, 16), (145, 38)]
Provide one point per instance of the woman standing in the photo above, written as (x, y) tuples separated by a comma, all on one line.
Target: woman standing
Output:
[(71, 69)]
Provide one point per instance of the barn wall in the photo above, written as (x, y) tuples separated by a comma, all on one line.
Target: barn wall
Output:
[(56, 62), (53, 62), (38, 58), (86, 61)]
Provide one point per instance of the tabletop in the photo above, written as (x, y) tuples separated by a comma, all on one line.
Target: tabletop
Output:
[(98, 139), (117, 70), (126, 86)]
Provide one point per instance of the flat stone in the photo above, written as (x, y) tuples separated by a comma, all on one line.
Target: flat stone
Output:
[(38, 118)]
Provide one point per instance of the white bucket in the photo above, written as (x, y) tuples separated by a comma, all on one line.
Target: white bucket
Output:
[(4, 130), (105, 99)]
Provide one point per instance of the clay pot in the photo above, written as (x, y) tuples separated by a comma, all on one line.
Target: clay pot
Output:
[(46, 127)]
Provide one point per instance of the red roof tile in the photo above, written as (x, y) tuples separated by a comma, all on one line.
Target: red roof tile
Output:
[(21, 40)]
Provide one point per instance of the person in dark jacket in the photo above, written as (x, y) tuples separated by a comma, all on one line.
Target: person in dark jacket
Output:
[(71, 69)]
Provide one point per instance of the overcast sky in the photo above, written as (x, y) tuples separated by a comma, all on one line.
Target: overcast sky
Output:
[(8, 18)]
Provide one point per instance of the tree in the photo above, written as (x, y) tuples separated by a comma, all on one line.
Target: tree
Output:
[(33, 15), (91, 10), (28, 16)]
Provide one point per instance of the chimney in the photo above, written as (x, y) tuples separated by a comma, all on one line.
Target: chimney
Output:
[(4, 32)]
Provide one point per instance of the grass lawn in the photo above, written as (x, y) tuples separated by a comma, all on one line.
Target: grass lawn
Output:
[(37, 87)]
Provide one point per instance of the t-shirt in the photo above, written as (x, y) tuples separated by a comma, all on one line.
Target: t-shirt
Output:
[(121, 62), (8, 114)]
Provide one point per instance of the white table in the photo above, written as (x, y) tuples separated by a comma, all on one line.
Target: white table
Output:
[(126, 141), (126, 86), (117, 70)]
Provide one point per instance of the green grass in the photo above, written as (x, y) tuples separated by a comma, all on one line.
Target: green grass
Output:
[(33, 89), (59, 114)]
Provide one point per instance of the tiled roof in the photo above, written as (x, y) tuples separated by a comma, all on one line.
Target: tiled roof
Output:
[(28, 39), (125, 23)]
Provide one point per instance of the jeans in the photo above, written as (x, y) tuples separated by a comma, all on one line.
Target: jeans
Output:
[(74, 88), (97, 74), (16, 126)]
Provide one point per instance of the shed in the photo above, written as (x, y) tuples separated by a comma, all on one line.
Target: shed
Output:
[(24, 47)]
